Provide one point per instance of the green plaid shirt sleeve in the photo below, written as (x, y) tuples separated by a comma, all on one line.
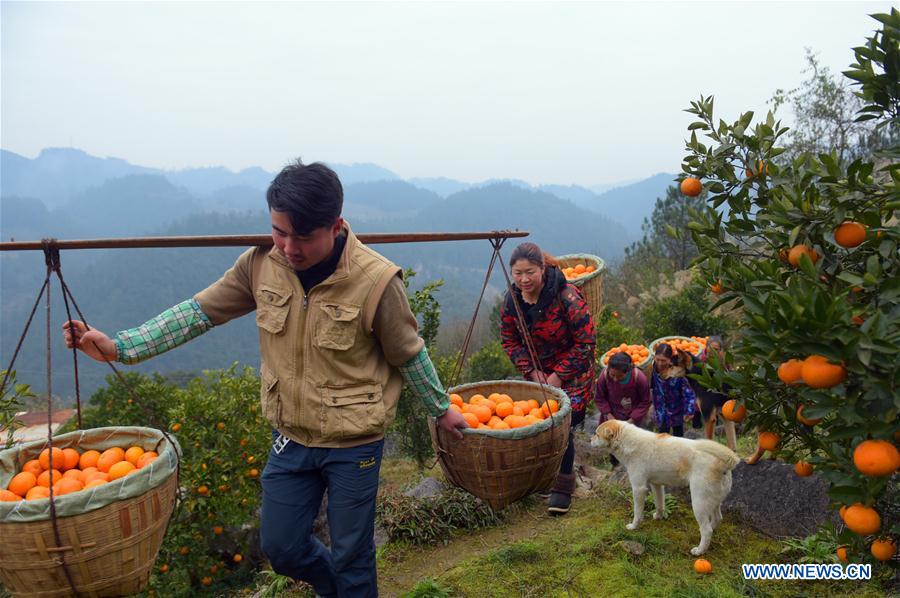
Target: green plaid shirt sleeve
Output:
[(175, 326), (420, 375)]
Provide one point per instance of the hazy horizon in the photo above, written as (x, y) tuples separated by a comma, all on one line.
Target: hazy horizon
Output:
[(573, 93)]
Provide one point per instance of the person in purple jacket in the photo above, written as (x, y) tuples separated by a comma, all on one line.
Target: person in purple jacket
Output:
[(622, 393)]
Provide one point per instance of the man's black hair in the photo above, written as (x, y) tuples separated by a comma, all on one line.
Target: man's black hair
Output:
[(310, 194)]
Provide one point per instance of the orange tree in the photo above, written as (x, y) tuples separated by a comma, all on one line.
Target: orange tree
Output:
[(806, 252)]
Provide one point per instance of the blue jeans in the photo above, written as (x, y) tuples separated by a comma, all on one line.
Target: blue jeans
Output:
[(293, 483)]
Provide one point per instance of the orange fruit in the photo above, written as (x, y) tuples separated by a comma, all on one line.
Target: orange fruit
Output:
[(33, 466), (482, 412), (120, 470), (95, 475), (471, 419), (476, 399), (217, 530), (551, 406), (74, 474), (806, 421), (789, 372), (71, 458), (110, 457), (67, 486), (691, 186), (237, 558), (883, 549), (797, 251), (769, 440), (504, 408), (850, 234), (761, 168), (733, 412), (494, 396), (862, 520), (537, 413), (206, 581), (37, 493), (818, 372), (803, 469), (842, 554), (133, 454), (49, 477), (501, 425), (515, 421), (579, 269), (59, 458), (7, 496), (176, 427), (88, 459), (504, 398), (702, 566), (202, 490), (717, 288), (876, 458), (455, 399), (22, 482), (164, 568), (530, 419), (94, 483), (454, 407)]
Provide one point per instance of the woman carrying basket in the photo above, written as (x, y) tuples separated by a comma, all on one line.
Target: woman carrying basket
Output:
[(562, 333)]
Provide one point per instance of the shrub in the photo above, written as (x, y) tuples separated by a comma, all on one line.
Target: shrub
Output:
[(686, 313), (489, 363), (432, 520)]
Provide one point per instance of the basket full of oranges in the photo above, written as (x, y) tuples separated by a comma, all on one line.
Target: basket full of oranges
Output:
[(518, 432), (113, 491), (639, 354), (585, 271), (694, 346)]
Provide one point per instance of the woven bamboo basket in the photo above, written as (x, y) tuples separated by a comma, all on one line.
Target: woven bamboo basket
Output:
[(591, 285), (502, 466), (662, 339), (108, 551), (644, 365)]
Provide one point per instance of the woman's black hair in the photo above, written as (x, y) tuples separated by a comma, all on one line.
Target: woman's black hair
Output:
[(620, 361)]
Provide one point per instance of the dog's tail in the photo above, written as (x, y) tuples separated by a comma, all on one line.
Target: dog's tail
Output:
[(724, 454)]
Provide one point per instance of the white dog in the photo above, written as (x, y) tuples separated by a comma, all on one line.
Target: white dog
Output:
[(661, 460)]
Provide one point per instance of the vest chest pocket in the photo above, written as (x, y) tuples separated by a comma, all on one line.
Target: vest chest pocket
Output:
[(272, 308), (352, 412), (337, 326)]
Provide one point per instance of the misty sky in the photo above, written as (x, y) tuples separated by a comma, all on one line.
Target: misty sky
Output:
[(573, 93)]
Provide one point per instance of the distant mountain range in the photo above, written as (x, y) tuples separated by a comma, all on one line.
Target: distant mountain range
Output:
[(66, 193)]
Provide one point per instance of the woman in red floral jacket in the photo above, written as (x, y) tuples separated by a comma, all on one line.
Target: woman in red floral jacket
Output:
[(562, 331)]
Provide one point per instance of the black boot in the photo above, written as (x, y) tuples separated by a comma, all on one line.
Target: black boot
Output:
[(561, 496)]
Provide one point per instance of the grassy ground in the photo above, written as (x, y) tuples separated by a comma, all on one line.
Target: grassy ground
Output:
[(584, 553)]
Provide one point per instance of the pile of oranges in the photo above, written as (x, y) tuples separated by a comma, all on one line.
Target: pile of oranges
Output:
[(638, 353), (577, 271), (701, 340), (73, 471), (694, 347), (500, 412)]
